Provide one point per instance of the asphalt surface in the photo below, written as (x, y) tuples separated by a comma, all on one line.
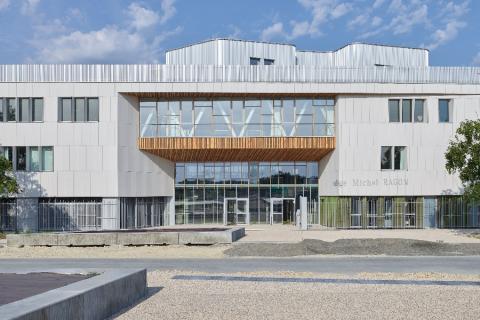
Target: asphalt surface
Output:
[(339, 264), (20, 286)]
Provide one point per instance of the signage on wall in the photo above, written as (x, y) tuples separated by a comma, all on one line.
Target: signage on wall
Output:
[(387, 182)]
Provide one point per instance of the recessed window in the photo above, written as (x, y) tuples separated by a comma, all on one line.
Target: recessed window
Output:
[(268, 62), (444, 110), (33, 159), (78, 109), (419, 112), (393, 158), (254, 61), (37, 109), (394, 110), (11, 109), (406, 110)]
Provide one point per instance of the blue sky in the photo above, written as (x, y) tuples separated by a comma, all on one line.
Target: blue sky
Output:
[(131, 31)]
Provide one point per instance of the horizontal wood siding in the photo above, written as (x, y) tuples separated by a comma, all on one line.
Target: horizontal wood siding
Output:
[(239, 149)]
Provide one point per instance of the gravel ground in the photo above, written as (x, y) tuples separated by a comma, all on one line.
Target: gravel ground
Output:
[(144, 252), (397, 247), (188, 299)]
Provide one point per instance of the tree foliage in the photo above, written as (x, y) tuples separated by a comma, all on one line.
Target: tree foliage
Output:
[(8, 182), (463, 157)]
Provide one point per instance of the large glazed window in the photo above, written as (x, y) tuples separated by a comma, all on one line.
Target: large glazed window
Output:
[(201, 189), (31, 158), (237, 118)]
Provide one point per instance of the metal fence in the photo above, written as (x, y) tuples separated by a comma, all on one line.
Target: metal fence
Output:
[(234, 73), (395, 213), (8, 216), (81, 216), (142, 212)]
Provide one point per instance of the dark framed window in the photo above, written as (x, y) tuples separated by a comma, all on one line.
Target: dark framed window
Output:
[(79, 109), (37, 109), (393, 158), (386, 158), (419, 112), (268, 62), (444, 110), (21, 163), (11, 109), (254, 61), (406, 110), (394, 110)]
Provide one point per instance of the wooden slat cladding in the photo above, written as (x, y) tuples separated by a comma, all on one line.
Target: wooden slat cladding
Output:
[(239, 149)]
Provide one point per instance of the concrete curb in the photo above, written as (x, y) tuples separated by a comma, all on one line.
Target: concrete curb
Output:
[(98, 297), (126, 238)]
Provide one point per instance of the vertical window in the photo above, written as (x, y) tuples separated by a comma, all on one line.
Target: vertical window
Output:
[(2, 111), (47, 159), (148, 116), (419, 113), (386, 158), (400, 158), (80, 110), (24, 109), (444, 110), (34, 159), (7, 153), (254, 61), (93, 109), (394, 110), (268, 62), (11, 109), (21, 158), (66, 113), (37, 109), (406, 110)]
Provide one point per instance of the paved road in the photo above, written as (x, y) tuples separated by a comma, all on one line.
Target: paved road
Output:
[(345, 264)]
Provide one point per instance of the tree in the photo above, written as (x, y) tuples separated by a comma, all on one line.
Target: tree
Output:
[(463, 157), (8, 182)]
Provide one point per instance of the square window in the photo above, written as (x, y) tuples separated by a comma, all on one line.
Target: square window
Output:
[(268, 62)]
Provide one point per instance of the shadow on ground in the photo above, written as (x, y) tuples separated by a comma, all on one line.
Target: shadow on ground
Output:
[(389, 247)]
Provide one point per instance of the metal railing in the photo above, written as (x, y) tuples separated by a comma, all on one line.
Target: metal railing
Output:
[(81, 216), (8, 216), (234, 73)]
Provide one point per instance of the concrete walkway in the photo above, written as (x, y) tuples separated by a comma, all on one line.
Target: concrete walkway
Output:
[(288, 233)]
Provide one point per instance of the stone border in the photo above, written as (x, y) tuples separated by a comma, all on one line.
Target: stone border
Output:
[(98, 297), (126, 238)]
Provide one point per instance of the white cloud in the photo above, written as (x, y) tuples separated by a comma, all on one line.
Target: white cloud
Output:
[(273, 31), (442, 36), (4, 4), (142, 17), (359, 20), (129, 42), (168, 10), (321, 11), (404, 22), (107, 45), (29, 7)]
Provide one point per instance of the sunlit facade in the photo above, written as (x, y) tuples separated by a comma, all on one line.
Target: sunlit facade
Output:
[(234, 132)]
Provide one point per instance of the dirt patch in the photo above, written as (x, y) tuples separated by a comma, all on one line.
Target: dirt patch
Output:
[(390, 247)]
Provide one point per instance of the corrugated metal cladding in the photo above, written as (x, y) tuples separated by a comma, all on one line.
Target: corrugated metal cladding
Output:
[(236, 73), (360, 55), (238, 52), (231, 52)]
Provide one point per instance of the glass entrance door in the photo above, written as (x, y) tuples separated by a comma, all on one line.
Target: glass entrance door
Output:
[(236, 211), (276, 210)]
